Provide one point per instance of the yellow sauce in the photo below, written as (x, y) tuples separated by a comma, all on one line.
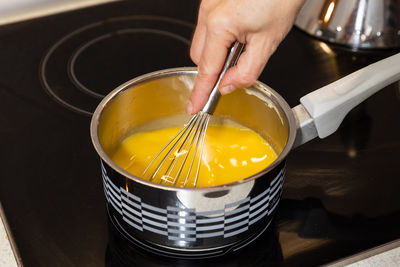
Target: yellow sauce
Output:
[(230, 153)]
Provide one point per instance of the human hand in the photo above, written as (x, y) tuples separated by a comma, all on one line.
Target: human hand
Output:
[(260, 24)]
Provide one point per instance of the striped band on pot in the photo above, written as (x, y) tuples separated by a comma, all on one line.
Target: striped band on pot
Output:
[(183, 224)]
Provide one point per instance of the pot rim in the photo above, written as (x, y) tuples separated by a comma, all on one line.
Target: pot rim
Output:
[(185, 70)]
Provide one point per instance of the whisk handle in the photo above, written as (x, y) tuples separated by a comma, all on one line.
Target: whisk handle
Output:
[(230, 61)]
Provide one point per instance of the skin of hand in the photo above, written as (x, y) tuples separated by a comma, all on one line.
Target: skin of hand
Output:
[(260, 24)]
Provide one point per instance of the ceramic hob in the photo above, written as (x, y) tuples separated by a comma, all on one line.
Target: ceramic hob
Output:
[(340, 196)]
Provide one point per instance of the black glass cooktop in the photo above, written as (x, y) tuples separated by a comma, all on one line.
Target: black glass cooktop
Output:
[(340, 195)]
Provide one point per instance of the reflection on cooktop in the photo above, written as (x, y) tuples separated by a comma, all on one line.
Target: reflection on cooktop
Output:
[(88, 63), (265, 251), (301, 230)]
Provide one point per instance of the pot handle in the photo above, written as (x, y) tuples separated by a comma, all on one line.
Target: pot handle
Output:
[(327, 106)]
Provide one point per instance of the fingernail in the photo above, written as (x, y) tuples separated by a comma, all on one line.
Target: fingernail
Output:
[(189, 108), (227, 89)]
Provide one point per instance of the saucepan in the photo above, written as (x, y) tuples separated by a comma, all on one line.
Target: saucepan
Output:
[(210, 221)]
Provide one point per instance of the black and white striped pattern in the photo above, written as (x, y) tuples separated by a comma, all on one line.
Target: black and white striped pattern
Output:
[(187, 224)]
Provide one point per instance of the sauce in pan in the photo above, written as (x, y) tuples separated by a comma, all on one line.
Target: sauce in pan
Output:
[(230, 153)]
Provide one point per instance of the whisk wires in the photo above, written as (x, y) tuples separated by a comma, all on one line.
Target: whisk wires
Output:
[(172, 160)]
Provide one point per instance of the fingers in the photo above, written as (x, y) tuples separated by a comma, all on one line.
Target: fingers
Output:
[(200, 94), (249, 66), (198, 43), (211, 62), (260, 24), (199, 36)]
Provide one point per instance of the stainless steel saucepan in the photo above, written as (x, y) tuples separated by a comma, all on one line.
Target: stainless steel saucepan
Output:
[(197, 222), (359, 24)]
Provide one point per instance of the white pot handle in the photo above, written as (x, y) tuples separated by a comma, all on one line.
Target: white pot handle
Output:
[(329, 105)]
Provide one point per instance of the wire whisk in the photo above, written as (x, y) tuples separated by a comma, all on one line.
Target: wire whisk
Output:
[(178, 162)]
